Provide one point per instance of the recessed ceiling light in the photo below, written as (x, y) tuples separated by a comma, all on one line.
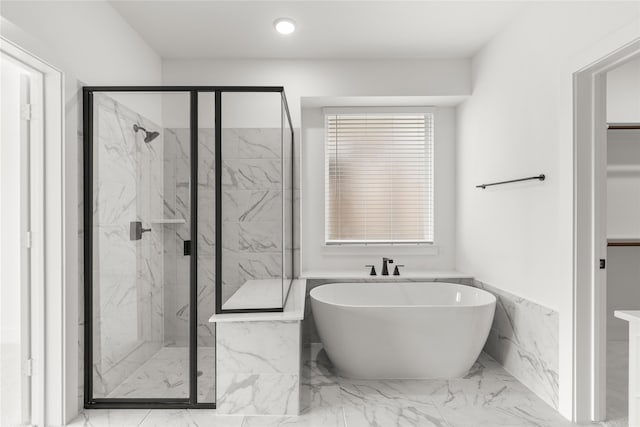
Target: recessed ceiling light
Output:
[(284, 25)]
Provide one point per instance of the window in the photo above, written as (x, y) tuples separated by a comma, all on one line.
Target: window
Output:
[(378, 176)]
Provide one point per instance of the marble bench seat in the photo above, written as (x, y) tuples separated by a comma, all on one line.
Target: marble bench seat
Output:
[(258, 359)]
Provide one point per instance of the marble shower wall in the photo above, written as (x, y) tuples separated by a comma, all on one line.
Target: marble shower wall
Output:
[(252, 220), (524, 339), (127, 275), (177, 171), (252, 206)]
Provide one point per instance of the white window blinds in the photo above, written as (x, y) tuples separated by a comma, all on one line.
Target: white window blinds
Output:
[(379, 178)]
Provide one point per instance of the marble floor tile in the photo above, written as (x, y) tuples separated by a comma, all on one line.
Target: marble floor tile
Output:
[(482, 392), (316, 418), (486, 397), (189, 418), (110, 418), (393, 414), (483, 416), (165, 375)]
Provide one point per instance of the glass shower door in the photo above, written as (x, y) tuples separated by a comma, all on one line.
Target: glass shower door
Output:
[(140, 227)]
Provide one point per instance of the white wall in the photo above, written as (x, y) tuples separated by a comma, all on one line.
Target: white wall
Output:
[(519, 237), (90, 40), (327, 78), (318, 260), (91, 45), (623, 93)]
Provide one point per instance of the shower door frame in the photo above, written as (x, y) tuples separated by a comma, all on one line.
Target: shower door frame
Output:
[(191, 402)]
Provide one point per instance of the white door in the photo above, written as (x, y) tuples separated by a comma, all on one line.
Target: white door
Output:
[(20, 128)]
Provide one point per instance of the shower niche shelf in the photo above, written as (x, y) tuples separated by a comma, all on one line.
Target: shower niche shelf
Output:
[(168, 221), (623, 169)]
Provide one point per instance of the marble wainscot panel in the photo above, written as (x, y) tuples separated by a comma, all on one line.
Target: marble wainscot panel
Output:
[(127, 275), (258, 359), (309, 331), (524, 339)]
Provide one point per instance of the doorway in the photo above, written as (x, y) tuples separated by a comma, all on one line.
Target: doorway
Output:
[(21, 289), (591, 240), (622, 200)]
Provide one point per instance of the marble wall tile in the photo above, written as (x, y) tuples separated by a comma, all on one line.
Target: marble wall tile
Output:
[(251, 143), (237, 268), (524, 339), (251, 205), (243, 346), (258, 394), (187, 418), (251, 174), (252, 237), (258, 368)]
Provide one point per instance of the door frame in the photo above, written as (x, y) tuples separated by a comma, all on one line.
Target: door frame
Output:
[(589, 234), (46, 257)]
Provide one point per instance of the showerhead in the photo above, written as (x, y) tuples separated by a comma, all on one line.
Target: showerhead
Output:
[(148, 135)]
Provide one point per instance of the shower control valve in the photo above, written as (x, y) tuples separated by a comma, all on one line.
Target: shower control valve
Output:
[(136, 230)]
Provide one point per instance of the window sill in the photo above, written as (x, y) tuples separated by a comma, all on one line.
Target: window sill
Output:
[(381, 249)]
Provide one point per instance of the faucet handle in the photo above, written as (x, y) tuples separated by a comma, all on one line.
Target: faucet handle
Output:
[(396, 272), (373, 269)]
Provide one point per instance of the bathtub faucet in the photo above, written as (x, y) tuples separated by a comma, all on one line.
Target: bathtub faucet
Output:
[(385, 270)]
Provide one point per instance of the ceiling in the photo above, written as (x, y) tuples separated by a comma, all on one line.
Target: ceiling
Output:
[(324, 29)]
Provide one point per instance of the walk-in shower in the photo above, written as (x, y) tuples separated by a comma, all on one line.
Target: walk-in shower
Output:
[(188, 212)]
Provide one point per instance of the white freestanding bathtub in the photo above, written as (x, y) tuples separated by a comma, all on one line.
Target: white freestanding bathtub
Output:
[(402, 330)]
